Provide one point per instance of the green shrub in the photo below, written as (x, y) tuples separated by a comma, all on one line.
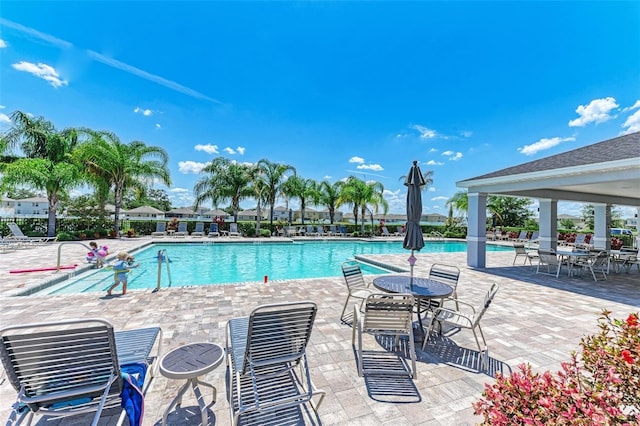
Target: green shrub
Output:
[(66, 236), (265, 233)]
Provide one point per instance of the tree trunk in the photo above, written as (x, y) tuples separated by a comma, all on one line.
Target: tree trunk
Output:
[(51, 219), (117, 205)]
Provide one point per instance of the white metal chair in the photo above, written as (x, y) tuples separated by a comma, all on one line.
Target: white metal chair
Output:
[(599, 263), (356, 285), (448, 274), (469, 317), (385, 315), (550, 261), (268, 374), (522, 251)]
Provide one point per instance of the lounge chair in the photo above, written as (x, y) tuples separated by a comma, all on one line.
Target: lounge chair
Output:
[(522, 237), (72, 367), (292, 231), (389, 315), (182, 230), (469, 317), (267, 371), (320, 232), (343, 231), (333, 231), (213, 230), (198, 230), (19, 236), (161, 230), (385, 232), (233, 230), (310, 231)]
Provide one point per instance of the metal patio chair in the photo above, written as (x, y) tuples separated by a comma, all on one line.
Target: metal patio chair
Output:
[(385, 314), (71, 367), (267, 371), (356, 286)]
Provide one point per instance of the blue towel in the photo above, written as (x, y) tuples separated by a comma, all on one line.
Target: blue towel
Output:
[(132, 396)]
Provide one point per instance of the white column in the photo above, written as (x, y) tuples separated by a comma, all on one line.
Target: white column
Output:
[(548, 224), (601, 226), (477, 229)]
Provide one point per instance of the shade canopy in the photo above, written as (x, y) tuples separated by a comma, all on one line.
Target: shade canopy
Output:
[(415, 181)]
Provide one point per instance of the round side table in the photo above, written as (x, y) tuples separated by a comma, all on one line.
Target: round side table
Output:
[(191, 362)]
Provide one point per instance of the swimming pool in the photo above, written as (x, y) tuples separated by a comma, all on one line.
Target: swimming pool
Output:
[(218, 263)]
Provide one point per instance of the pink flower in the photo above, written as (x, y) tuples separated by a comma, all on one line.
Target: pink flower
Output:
[(632, 320)]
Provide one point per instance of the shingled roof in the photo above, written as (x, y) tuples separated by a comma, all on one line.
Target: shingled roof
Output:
[(620, 148)]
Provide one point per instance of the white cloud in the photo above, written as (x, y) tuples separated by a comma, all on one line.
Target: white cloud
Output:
[(179, 190), (632, 123), (3, 44), (2, 107), (434, 163), (597, 111), (374, 167), (425, 133), (432, 150), (158, 126), (453, 156), (439, 198), (145, 112), (208, 148), (542, 144), (634, 106), (187, 167), (43, 71), (239, 150), (358, 160), (4, 119), (431, 189), (466, 134), (326, 177), (30, 32)]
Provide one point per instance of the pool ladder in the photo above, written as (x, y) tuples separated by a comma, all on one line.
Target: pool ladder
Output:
[(163, 257)]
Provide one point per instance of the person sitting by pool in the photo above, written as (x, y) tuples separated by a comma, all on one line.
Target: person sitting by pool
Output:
[(121, 267), (97, 254)]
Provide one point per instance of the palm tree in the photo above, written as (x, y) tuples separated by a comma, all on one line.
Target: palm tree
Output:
[(260, 190), (304, 189), (121, 166), (329, 196), (48, 164), (274, 176), (357, 192), (224, 180)]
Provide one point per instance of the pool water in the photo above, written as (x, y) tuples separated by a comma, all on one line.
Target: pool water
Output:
[(217, 263)]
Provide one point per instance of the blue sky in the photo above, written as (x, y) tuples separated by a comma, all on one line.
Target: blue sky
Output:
[(333, 88)]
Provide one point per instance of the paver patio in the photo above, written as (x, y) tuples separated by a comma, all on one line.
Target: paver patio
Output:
[(535, 318)]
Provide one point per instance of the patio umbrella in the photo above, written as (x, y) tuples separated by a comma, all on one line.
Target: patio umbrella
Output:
[(413, 238)]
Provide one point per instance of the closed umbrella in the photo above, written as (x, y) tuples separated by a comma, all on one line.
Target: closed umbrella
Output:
[(413, 238)]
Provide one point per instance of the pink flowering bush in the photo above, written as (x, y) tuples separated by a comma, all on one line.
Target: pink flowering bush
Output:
[(602, 388)]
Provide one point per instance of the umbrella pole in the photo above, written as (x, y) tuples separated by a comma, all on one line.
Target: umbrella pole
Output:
[(412, 261)]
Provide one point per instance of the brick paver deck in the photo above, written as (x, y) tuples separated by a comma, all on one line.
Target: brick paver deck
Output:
[(535, 318)]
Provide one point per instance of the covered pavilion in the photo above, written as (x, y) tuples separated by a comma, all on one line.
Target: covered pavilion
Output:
[(602, 174)]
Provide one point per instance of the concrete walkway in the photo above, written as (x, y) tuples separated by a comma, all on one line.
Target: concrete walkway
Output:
[(535, 318)]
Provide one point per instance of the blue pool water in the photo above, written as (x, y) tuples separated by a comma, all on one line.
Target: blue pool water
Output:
[(210, 264)]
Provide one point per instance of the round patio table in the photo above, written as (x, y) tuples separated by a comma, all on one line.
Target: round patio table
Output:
[(191, 362), (420, 288)]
